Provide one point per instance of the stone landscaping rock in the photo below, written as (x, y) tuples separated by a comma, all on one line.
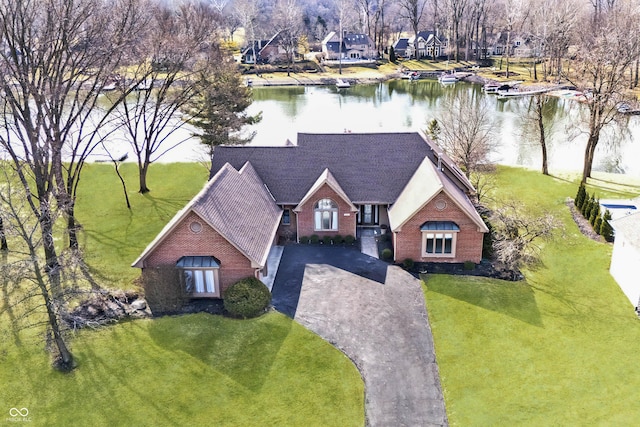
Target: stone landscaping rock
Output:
[(139, 304), (104, 307)]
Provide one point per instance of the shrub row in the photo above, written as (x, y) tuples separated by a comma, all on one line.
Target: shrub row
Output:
[(589, 207), (328, 240)]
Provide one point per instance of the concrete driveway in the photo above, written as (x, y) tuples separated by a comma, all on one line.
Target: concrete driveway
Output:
[(376, 315)]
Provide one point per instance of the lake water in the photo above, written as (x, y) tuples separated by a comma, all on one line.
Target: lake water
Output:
[(401, 105)]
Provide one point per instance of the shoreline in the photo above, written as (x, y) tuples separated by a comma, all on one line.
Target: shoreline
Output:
[(371, 76)]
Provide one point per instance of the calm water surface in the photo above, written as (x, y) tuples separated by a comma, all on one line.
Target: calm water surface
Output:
[(407, 106), (401, 105)]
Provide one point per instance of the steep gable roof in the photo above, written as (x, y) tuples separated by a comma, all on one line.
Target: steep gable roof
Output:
[(426, 183), (237, 205), (326, 178), (370, 167)]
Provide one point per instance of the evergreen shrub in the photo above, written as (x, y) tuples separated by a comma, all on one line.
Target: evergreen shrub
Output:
[(246, 298)]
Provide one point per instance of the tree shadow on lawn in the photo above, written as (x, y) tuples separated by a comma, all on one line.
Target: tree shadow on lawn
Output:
[(165, 207), (514, 299), (242, 350), (99, 377)]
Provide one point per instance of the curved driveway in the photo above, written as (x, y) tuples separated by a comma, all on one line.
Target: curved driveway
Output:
[(375, 314)]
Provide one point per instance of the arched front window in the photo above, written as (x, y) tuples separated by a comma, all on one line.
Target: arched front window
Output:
[(325, 215)]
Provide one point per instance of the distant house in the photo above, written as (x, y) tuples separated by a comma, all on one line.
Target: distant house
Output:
[(354, 46), (427, 44), (319, 186), (520, 45), (400, 47), (625, 258), (266, 51)]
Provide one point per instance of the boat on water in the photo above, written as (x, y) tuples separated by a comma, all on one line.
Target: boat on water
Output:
[(506, 94), (491, 88), (411, 75), (342, 84), (447, 78)]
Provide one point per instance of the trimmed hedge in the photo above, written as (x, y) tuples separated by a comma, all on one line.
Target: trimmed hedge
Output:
[(387, 253), (246, 298)]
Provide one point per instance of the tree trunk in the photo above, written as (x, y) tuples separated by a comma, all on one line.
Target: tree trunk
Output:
[(543, 142), (124, 185), (3, 238), (66, 358), (589, 155), (142, 177), (72, 227), (50, 253)]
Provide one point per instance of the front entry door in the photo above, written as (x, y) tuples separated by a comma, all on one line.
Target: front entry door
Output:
[(368, 214)]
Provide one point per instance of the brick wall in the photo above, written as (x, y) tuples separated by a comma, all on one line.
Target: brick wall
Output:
[(408, 242), (184, 242), (288, 232), (346, 224)]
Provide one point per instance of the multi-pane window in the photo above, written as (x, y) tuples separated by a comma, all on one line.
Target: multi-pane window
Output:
[(325, 215), (199, 275), (439, 243), (439, 238), (286, 217), (199, 281)]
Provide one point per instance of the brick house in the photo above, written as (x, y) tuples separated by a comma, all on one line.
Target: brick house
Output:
[(325, 184), (222, 235)]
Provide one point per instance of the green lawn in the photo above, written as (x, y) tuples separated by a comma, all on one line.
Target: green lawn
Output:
[(199, 370), (559, 348), (114, 236)]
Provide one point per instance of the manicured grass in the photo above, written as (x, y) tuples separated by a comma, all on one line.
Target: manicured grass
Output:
[(556, 349), (196, 370), (190, 370), (114, 236)]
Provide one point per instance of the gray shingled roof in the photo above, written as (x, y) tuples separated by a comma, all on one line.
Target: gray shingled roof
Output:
[(371, 168), (237, 205), (240, 208)]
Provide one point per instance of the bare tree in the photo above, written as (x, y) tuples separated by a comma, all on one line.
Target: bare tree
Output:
[(413, 12), (57, 57), (537, 116), (32, 286), (456, 10), (516, 12), (53, 122), (517, 234), (176, 48), (604, 60), (247, 13), (553, 25), (288, 25), (464, 131)]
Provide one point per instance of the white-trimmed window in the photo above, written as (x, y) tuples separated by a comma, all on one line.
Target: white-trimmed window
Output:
[(200, 275), (286, 217), (439, 239), (325, 214)]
